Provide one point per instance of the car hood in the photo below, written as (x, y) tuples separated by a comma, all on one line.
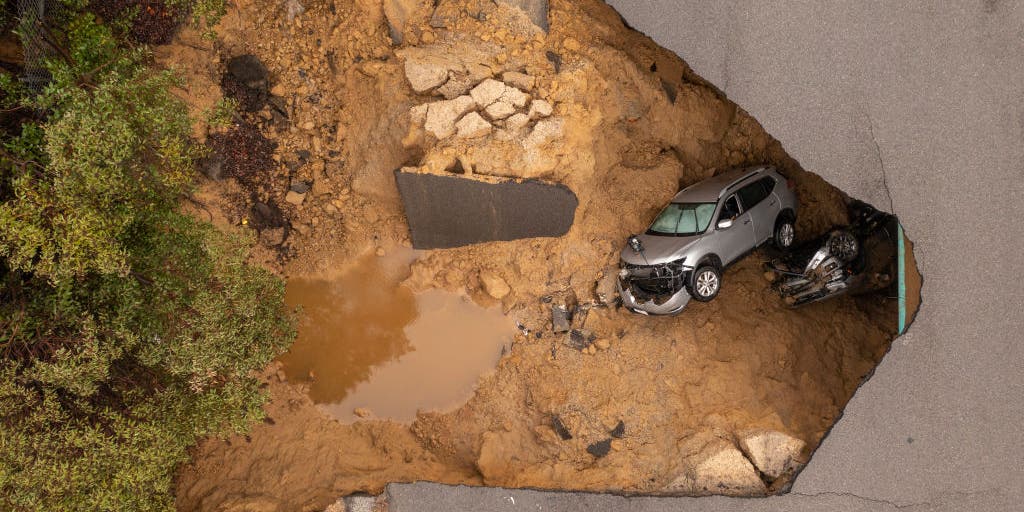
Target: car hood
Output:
[(659, 249)]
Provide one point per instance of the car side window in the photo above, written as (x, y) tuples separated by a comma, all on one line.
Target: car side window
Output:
[(752, 194), (768, 184), (730, 208)]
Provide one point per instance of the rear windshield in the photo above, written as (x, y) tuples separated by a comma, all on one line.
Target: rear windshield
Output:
[(682, 219)]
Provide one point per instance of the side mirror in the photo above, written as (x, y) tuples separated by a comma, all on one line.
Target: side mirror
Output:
[(725, 224)]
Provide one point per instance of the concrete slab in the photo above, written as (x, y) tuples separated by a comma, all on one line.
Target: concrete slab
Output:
[(921, 102), (451, 211)]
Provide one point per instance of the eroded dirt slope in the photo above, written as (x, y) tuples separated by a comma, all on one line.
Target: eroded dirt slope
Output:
[(658, 405)]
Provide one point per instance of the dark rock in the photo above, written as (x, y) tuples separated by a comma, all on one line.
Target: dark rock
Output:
[(580, 339), (561, 318), (600, 448), (619, 430), (560, 428), (303, 155), (300, 187)]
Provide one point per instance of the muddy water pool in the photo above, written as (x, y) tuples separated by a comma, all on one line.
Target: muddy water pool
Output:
[(365, 341)]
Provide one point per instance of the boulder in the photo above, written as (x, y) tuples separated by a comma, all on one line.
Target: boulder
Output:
[(473, 125), (494, 285), (518, 80), (517, 122), (487, 92), (719, 469), (540, 108), (500, 110), (773, 452), (442, 115), (424, 75), (514, 96), (545, 131)]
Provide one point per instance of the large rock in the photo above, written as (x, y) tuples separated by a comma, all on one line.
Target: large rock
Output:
[(424, 75), (487, 92), (774, 453), (473, 125), (720, 468), (442, 115), (500, 110)]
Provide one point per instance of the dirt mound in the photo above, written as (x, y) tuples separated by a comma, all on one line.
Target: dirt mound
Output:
[(652, 405)]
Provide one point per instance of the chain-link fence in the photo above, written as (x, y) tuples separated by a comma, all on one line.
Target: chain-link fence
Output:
[(36, 39)]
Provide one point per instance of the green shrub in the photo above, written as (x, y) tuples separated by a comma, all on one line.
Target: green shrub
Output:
[(128, 330)]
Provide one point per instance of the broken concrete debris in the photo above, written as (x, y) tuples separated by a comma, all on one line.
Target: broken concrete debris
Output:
[(774, 453), (442, 116), (295, 198), (425, 75), (452, 210), (520, 81), (719, 468), (473, 125)]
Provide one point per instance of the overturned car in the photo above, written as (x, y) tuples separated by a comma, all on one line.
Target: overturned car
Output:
[(859, 258), (705, 227)]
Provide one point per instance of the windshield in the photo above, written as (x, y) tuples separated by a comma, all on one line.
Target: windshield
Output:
[(682, 219)]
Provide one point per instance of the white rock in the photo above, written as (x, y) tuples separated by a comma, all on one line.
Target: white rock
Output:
[(500, 110), (725, 471), (517, 122), (544, 131), (774, 453), (472, 126), (514, 96), (424, 75), (518, 80), (457, 85), (442, 115), (540, 108), (494, 285), (487, 92)]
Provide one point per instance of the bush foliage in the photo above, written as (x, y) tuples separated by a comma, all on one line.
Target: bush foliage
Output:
[(128, 330)]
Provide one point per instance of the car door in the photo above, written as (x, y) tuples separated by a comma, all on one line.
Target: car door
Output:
[(762, 205), (733, 241)]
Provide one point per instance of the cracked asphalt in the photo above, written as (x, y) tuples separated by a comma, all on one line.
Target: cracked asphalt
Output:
[(917, 106)]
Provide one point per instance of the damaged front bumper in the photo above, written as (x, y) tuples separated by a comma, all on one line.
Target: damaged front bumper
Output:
[(654, 289)]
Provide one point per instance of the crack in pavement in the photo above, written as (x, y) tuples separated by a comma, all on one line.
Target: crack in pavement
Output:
[(881, 164), (910, 505)]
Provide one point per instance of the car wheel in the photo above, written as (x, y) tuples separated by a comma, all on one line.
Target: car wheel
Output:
[(785, 234), (705, 283)]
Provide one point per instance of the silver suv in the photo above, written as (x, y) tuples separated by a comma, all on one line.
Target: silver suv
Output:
[(707, 226)]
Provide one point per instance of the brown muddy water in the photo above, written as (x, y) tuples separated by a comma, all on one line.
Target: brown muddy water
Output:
[(365, 341)]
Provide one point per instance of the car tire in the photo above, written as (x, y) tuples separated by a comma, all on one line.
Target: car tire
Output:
[(705, 282), (785, 234)]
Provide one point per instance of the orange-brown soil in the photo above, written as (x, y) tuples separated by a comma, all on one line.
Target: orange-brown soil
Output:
[(630, 124)]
